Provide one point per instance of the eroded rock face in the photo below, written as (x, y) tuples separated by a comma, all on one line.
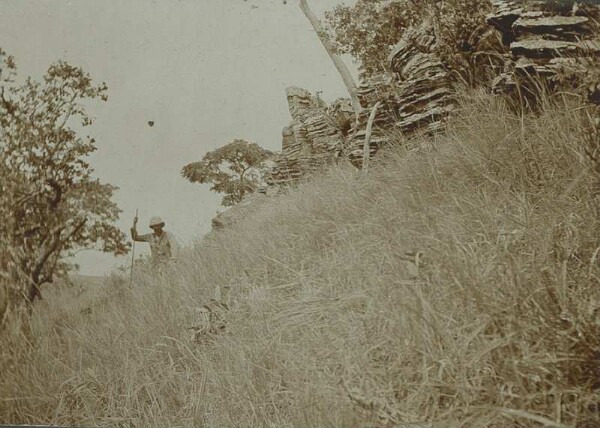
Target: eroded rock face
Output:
[(341, 110), (547, 49), (548, 43), (561, 27), (417, 96), (542, 40), (377, 88), (504, 15), (424, 88), (313, 137)]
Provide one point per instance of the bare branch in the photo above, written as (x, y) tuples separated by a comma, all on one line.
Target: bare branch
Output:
[(367, 143)]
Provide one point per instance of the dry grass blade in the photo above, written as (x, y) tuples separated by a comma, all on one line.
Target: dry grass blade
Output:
[(521, 414)]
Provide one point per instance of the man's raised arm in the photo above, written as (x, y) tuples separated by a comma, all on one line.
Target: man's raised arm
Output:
[(134, 234)]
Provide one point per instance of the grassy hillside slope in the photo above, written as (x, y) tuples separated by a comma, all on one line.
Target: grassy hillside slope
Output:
[(455, 283)]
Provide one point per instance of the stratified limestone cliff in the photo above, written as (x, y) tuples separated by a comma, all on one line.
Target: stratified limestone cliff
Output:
[(417, 96), (548, 44), (313, 137), (552, 45), (425, 90)]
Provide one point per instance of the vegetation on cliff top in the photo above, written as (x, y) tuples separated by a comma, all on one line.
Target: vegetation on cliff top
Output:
[(369, 29)]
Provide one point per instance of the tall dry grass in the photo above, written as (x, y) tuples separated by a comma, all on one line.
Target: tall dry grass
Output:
[(456, 283)]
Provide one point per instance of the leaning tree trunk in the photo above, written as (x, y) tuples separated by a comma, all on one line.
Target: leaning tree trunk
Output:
[(337, 60), (367, 143)]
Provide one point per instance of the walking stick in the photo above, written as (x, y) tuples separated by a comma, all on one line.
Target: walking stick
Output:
[(133, 251)]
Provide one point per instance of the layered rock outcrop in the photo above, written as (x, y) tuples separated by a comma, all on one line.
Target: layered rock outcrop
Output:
[(546, 44), (313, 137), (372, 90), (417, 95), (425, 90)]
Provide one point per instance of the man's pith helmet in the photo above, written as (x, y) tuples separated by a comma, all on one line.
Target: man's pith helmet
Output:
[(156, 221)]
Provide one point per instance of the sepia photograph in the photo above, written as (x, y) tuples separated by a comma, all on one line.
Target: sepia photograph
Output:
[(300, 213)]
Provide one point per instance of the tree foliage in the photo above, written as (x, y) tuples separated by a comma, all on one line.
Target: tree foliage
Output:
[(50, 204), (234, 169), (369, 29), (461, 31)]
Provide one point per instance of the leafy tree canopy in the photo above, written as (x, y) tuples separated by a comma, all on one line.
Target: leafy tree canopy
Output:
[(370, 28), (234, 169), (50, 204)]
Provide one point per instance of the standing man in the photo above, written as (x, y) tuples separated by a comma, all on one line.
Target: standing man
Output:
[(163, 245)]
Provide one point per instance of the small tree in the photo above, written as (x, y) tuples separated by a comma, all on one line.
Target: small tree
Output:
[(50, 205), (234, 169)]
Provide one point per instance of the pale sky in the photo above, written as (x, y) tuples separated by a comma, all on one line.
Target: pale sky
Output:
[(206, 71)]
